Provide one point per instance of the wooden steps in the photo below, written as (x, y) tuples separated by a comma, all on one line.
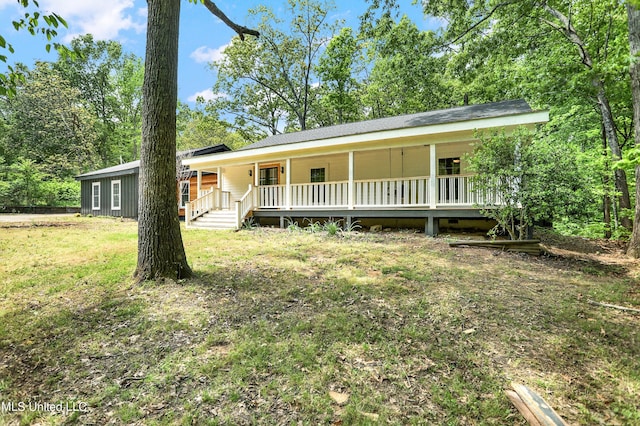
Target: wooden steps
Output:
[(215, 219)]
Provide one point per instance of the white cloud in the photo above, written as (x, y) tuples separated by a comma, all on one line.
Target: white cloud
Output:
[(206, 94), (4, 3), (207, 54), (104, 19)]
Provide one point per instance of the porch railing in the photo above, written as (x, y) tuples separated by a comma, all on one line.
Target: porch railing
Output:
[(450, 191), (325, 194), (402, 192), (272, 196), (459, 191), (215, 199), (245, 205)]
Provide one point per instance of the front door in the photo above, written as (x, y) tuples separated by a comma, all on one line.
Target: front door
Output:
[(269, 178), (448, 168), (269, 175)]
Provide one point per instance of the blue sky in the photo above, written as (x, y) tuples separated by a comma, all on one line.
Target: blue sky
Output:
[(202, 36)]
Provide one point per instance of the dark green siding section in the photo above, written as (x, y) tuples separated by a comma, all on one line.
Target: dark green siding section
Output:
[(128, 194)]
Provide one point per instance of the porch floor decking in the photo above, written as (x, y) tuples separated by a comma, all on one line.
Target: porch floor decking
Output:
[(405, 213)]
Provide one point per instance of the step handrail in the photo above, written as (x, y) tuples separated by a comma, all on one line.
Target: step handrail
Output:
[(244, 205), (211, 200)]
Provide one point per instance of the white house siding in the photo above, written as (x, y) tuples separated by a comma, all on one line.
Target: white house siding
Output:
[(392, 163), (236, 180), (415, 161), (336, 168), (374, 164)]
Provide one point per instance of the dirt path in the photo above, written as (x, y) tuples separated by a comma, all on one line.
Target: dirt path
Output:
[(19, 217)]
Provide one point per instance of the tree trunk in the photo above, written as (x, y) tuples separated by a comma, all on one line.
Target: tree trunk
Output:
[(606, 199), (619, 175), (634, 47), (160, 248)]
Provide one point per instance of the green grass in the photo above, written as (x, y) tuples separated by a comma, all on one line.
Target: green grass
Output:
[(412, 331)]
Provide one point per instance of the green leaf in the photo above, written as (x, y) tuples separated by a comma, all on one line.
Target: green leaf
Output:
[(61, 20)]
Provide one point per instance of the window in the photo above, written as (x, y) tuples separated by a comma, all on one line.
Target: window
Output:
[(318, 175), (269, 175), (449, 166), (184, 193), (116, 194), (95, 196)]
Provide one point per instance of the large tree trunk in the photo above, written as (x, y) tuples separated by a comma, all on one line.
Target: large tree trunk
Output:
[(634, 47), (160, 248), (619, 175)]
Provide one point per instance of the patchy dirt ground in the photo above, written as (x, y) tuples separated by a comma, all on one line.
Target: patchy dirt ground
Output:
[(30, 218)]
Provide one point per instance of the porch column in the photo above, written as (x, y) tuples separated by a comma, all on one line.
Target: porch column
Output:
[(352, 191), (219, 177), (256, 178), (287, 170), (198, 183), (432, 226), (433, 179)]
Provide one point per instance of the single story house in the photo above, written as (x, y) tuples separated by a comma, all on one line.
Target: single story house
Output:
[(113, 191), (410, 167)]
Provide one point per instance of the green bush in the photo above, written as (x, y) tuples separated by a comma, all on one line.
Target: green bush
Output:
[(61, 193), (24, 184)]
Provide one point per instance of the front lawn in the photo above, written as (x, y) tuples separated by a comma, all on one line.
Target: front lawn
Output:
[(287, 327)]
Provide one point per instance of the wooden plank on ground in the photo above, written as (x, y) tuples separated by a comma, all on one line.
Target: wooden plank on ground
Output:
[(536, 405), (522, 407), (493, 242), (609, 305), (521, 246)]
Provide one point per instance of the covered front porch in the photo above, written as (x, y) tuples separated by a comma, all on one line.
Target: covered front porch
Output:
[(412, 178)]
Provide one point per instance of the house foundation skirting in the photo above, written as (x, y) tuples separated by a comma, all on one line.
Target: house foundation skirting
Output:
[(431, 217)]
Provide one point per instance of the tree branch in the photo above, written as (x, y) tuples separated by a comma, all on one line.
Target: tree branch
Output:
[(239, 29), (483, 19), (569, 32)]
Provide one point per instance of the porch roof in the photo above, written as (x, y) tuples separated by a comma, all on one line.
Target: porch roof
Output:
[(429, 118), (439, 126)]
